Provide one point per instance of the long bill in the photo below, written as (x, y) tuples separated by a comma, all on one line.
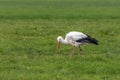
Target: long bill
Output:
[(58, 46)]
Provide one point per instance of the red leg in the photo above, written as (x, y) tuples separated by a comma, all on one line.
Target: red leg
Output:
[(81, 51), (72, 52)]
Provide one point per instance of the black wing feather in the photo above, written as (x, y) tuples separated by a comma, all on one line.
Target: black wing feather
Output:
[(88, 39)]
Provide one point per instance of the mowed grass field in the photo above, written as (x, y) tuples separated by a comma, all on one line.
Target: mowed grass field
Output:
[(28, 46)]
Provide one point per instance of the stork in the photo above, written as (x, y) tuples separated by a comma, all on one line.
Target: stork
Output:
[(76, 39)]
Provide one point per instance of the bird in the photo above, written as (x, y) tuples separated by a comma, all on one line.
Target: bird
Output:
[(76, 39)]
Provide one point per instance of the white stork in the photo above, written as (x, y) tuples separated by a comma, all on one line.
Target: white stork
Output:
[(76, 39)]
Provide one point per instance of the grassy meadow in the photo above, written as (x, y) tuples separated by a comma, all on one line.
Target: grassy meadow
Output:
[(28, 46)]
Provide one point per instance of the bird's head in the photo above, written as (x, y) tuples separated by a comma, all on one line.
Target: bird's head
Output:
[(59, 39)]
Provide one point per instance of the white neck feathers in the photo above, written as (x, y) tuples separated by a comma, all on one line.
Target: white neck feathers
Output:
[(60, 39)]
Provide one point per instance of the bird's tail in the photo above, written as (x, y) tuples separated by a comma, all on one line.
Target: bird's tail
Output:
[(92, 40)]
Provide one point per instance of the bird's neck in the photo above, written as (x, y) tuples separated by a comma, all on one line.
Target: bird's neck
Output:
[(64, 41)]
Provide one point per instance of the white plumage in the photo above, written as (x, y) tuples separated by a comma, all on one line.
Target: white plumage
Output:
[(76, 39)]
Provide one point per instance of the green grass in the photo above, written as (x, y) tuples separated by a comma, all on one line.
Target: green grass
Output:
[(64, 9), (28, 46)]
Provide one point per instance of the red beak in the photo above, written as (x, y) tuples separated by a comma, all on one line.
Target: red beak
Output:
[(58, 45)]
